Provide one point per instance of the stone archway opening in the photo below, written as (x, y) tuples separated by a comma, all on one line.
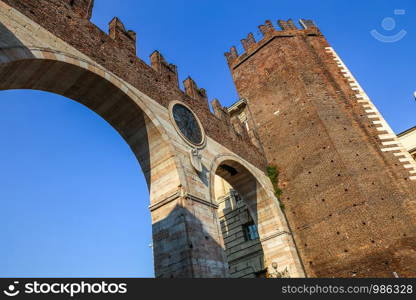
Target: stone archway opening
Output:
[(74, 201), (257, 241), (120, 107), (242, 244)]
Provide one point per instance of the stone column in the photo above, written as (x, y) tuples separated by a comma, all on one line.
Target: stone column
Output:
[(186, 238)]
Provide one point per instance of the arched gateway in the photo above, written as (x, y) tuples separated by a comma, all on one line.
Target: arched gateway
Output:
[(52, 46)]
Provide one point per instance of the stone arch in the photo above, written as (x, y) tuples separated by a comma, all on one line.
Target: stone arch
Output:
[(256, 190), (125, 109), (185, 243), (106, 95)]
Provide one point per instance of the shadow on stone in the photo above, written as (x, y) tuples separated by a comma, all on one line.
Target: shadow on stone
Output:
[(184, 248)]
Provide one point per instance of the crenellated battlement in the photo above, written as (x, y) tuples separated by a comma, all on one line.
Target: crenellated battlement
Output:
[(124, 38), (193, 91), (126, 41), (83, 8), (232, 122), (288, 29), (168, 71), (220, 112), (120, 42), (248, 42)]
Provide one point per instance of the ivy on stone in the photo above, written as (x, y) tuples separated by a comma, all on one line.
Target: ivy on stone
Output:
[(273, 174)]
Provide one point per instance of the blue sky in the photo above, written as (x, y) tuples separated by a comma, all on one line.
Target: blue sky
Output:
[(74, 200)]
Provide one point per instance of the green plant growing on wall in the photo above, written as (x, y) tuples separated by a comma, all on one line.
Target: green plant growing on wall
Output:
[(273, 174)]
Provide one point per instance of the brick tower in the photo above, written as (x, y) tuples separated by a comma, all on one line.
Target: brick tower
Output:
[(349, 187)]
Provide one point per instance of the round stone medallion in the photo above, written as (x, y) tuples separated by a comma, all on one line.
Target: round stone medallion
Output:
[(187, 124)]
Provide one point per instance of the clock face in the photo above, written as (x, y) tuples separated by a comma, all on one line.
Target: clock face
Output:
[(187, 123)]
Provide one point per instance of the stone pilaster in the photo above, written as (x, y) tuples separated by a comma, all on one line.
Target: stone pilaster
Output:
[(186, 239)]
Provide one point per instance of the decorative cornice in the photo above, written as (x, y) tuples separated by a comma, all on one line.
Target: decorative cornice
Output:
[(237, 105), (273, 235), (407, 131), (183, 195)]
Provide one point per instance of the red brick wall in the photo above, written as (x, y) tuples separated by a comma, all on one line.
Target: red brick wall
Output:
[(349, 204)]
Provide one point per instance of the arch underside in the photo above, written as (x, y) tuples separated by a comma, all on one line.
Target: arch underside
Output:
[(153, 151), (275, 237), (185, 238)]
